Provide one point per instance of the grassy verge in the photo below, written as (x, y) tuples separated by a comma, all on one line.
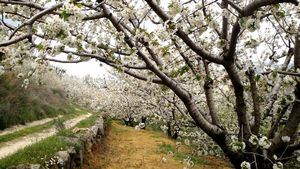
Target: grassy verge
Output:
[(44, 150), (180, 155), (87, 122), (36, 153), (26, 131)]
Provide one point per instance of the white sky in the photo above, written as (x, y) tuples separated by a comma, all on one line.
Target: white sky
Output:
[(91, 68)]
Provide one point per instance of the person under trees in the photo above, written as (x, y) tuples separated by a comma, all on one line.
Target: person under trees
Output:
[(128, 120), (226, 52)]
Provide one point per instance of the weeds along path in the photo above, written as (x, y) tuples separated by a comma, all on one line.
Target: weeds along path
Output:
[(13, 146), (126, 148), (20, 127)]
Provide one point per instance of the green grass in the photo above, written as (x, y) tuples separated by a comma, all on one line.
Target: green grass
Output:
[(87, 122), (108, 121), (38, 128), (24, 132), (36, 153), (42, 151), (166, 148)]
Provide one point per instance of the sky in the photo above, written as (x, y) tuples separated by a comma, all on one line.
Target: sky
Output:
[(92, 67)]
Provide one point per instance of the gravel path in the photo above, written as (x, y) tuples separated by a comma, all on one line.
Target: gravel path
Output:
[(13, 146), (20, 127)]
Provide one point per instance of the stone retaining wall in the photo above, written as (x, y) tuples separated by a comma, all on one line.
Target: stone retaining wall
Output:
[(74, 156)]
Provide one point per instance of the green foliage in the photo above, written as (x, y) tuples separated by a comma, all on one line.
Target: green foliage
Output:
[(108, 121), (154, 127), (20, 106), (64, 15), (65, 133), (39, 47), (24, 132), (180, 71), (180, 155), (87, 122), (59, 124), (166, 148)]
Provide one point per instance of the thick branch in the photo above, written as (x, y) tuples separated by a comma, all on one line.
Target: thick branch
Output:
[(94, 16), (233, 41), (283, 72), (208, 88), (63, 61), (273, 95), (181, 34), (15, 40), (24, 3), (240, 107), (255, 99), (255, 5)]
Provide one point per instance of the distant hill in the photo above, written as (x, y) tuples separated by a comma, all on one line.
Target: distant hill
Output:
[(19, 105)]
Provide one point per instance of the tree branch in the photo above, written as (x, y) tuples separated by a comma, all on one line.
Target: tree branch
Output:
[(255, 99), (255, 5), (180, 33), (15, 40)]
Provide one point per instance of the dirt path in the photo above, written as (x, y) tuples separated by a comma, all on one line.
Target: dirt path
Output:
[(11, 147), (126, 148), (20, 127)]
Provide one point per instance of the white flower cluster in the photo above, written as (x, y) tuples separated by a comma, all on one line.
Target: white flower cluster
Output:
[(277, 165), (188, 163), (252, 43), (253, 140), (237, 145), (286, 139), (55, 27), (53, 161), (245, 165), (263, 141), (25, 83), (187, 142), (250, 24), (20, 75), (2, 71), (164, 128), (74, 11)]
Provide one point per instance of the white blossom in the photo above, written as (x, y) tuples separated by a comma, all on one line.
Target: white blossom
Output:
[(164, 159), (252, 24), (2, 71), (245, 165), (278, 165), (285, 139), (264, 142), (253, 140), (187, 142), (20, 75)]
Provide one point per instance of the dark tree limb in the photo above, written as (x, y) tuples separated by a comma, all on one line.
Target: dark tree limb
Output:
[(256, 102)]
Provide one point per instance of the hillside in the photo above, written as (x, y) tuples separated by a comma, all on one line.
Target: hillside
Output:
[(20, 106)]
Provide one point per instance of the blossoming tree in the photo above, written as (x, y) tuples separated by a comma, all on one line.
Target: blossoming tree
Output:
[(244, 53)]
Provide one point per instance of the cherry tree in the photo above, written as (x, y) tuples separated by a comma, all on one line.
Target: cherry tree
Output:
[(216, 56)]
